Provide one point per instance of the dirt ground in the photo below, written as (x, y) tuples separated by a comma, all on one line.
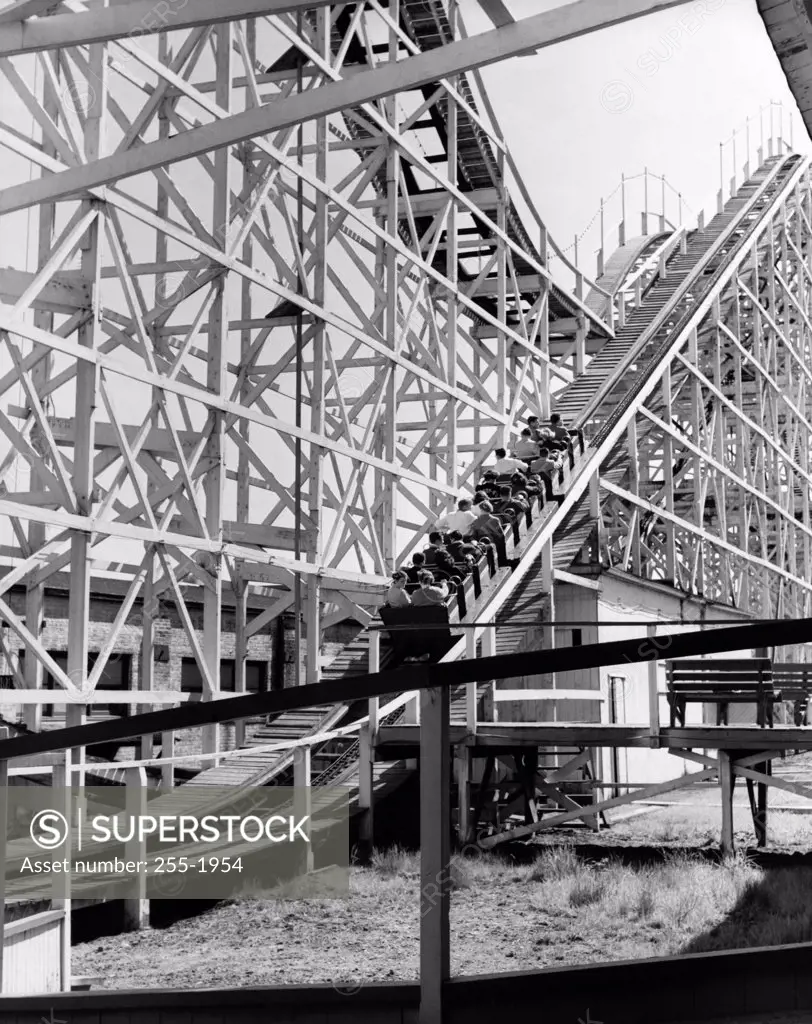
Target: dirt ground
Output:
[(504, 918)]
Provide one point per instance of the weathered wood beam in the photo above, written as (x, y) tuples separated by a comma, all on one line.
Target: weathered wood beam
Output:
[(546, 29)]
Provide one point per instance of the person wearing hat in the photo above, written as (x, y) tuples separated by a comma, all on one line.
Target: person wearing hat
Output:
[(397, 596)]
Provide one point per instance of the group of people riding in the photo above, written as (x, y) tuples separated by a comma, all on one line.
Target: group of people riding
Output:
[(505, 492)]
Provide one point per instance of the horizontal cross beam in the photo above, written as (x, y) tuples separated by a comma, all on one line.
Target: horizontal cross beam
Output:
[(546, 29), (420, 677)]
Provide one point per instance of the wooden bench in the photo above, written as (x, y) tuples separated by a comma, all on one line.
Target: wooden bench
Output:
[(793, 682), (721, 682)]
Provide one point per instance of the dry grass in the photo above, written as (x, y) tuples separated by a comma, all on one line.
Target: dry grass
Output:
[(556, 910)]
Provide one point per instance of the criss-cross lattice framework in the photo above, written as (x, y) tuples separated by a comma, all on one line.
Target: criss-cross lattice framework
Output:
[(264, 364), (710, 487)]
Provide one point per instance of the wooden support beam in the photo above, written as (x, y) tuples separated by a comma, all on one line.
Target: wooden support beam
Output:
[(136, 907), (366, 795), (462, 764), (412, 677), (303, 803), (435, 855), (3, 841), (726, 784), (546, 29), (135, 18)]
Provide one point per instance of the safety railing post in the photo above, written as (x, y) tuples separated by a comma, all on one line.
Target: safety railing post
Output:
[(601, 251), (645, 201), (621, 231)]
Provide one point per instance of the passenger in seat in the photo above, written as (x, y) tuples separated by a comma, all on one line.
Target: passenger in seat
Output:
[(561, 433), (437, 557), (545, 465), (505, 465), (507, 504), (479, 497), (396, 596), (547, 468), (461, 551), (431, 592), (418, 565), (487, 525), (526, 447), (459, 520)]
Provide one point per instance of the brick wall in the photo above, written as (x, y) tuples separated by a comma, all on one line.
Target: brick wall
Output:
[(274, 645)]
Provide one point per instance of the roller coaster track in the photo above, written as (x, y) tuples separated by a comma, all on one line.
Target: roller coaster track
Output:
[(601, 402)]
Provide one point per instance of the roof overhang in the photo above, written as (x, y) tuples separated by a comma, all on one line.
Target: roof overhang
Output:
[(789, 26)]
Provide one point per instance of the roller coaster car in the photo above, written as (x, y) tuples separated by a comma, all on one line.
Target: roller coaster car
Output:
[(408, 643)]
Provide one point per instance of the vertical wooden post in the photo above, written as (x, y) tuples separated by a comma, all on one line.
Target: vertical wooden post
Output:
[(580, 344), (366, 796), (61, 783), (167, 751), (462, 764), (762, 802), (136, 907), (240, 590), (146, 676), (488, 651), (374, 666), (303, 802), (726, 788), (216, 383), (470, 688), (3, 840), (435, 854), (653, 697)]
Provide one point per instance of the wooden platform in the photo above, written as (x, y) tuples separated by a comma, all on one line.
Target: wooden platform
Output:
[(404, 740)]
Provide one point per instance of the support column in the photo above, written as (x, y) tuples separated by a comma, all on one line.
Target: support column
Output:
[(4, 734), (216, 382), (653, 696), (240, 650), (136, 908), (435, 854), (366, 795), (470, 688), (87, 386), (462, 765), (303, 802), (318, 291), (61, 887), (726, 783), (168, 751)]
